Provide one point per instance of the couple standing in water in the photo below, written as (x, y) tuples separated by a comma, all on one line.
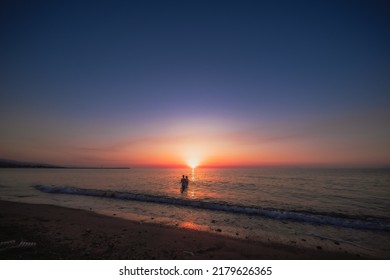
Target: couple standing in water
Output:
[(184, 183)]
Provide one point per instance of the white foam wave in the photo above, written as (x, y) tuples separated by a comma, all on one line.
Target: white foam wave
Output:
[(279, 214)]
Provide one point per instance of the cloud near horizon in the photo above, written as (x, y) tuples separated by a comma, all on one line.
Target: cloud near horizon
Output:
[(326, 141)]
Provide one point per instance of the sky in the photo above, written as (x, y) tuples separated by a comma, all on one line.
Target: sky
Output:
[(217, 83)]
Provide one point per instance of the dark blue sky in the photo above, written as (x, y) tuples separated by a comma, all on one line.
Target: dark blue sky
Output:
[(68, 66)]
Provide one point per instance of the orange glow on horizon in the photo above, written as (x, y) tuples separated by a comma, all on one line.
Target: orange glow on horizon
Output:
[(206, 144)]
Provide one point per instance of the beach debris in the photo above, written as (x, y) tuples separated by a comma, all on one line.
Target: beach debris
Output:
[(189, 253), (213, 221), (26, 245), (11, 244), (4, 244), (218, 230)]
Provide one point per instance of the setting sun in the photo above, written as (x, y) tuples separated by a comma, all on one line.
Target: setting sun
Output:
[(192, 163)]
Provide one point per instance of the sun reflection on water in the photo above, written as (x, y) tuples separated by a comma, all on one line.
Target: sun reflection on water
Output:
[(193, 174), (193, 226)]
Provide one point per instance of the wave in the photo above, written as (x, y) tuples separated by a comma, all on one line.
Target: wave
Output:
[(279, 214)]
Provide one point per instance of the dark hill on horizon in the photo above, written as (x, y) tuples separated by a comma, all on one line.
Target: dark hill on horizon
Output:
[(8, 163)]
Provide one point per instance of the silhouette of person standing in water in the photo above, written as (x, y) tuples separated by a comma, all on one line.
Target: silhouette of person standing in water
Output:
[(183, 184), (187, 181)]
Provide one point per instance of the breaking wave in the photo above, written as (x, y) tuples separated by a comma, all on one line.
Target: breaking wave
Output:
[(332, 219)]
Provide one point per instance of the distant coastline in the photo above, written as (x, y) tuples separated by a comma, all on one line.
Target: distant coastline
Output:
[(5, 163)]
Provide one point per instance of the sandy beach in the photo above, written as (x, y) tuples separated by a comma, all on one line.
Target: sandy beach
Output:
[(63, 233)]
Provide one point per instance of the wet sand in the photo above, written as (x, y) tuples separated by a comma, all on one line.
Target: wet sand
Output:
[(63, 233)]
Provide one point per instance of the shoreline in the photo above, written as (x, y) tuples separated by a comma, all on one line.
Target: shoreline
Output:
[(66, 233)]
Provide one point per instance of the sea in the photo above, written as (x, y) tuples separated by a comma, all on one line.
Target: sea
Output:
[(335, 209)]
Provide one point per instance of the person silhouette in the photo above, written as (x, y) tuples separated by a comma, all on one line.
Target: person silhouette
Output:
[(187, 181), (183, 184)]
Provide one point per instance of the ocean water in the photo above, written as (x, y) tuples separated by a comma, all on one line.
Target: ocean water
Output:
[(333, 209)]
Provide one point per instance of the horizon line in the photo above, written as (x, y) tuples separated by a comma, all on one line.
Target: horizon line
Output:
[(264, 165)]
